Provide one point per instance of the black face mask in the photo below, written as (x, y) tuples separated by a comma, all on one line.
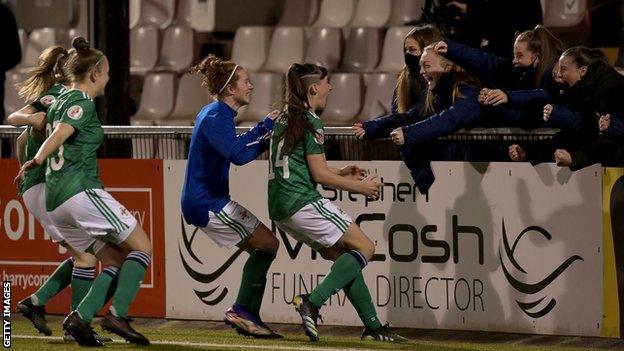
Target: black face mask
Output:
[(412, 62)]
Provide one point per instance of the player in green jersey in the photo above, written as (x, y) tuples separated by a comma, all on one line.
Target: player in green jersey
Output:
[(89, 217), (43, 85), (297, 163)]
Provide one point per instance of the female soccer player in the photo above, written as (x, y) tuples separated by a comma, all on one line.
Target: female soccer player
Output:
[(44, 84), (90, 219), (206, 201), (297, 164)]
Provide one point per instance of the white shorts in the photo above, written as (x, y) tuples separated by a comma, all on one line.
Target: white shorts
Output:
[(92, 218), (230, 226), (319, 224), (34, 199)]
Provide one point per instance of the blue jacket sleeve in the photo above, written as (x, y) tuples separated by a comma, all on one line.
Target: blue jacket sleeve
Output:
[(464, 110), (521, 98), (243, 148), (488, 67), (616, 126), (562, 117), (381, 127)]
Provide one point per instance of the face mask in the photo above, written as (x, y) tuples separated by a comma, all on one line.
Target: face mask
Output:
[(412, 62), (524, 73)]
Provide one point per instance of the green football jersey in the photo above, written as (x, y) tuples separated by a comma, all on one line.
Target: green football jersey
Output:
[(73, 167), (41, 104), (291, 185)]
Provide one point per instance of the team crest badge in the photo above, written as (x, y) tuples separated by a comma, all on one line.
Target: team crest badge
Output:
[(319, 137), (47, 100), (75, 112)]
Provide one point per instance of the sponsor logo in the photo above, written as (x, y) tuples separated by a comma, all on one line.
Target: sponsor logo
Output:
[(212, 294), (532, 308)]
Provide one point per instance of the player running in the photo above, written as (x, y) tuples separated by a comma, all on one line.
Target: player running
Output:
[(90, 219), (44, 84), (297, 163), (206, 201)]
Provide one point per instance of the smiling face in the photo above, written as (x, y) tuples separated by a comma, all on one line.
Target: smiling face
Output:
[(523, 57), (569, 72), (318, 93), (433, 67), (100, 76), (242, 88)]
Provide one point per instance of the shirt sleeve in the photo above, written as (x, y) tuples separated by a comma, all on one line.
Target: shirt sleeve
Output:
[(79, 113), (464, 110), (241, 149), (314, 143)]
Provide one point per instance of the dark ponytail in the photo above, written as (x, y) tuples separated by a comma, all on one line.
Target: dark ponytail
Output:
[(298, 80)]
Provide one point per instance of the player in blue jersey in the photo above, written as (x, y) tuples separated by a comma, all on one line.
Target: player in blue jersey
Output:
[(206, 201)]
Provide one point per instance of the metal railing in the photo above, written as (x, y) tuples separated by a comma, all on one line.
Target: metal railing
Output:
[(168, 142)]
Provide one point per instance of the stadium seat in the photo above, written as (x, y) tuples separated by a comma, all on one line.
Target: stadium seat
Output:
[(157, 12), (203, 15), (268, 90), (299, 13), (12, 101), (191, 97), (135, 13), (183, 13), (177, 51), (345, 101), (335, 13), (75, 32), (362, 49), (324, 47), (41, 39), (558, 13), (143, 49), (378, 97), (405, 11), (32, 14), (392, 53), (157, 97), (371, 13), (250, 47), (287, 47)]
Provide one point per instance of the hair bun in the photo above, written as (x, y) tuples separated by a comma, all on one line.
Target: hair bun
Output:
[(80, 44)]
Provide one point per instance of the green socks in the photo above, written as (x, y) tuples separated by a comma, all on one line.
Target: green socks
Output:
[(342, 272), (98, 294), (253, 282), (59, 279), (130, 277), (357, 292), (81, 281)]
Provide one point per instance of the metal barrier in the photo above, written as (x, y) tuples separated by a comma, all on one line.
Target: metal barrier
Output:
[(141, 142)]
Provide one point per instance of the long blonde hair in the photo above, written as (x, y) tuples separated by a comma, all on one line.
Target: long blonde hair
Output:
[(405, 89), (47, 73), (460, 77)]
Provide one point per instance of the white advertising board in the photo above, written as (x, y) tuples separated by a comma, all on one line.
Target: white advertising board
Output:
[(497, 247)]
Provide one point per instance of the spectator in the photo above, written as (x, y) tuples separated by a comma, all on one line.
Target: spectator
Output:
[(407, 105)]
